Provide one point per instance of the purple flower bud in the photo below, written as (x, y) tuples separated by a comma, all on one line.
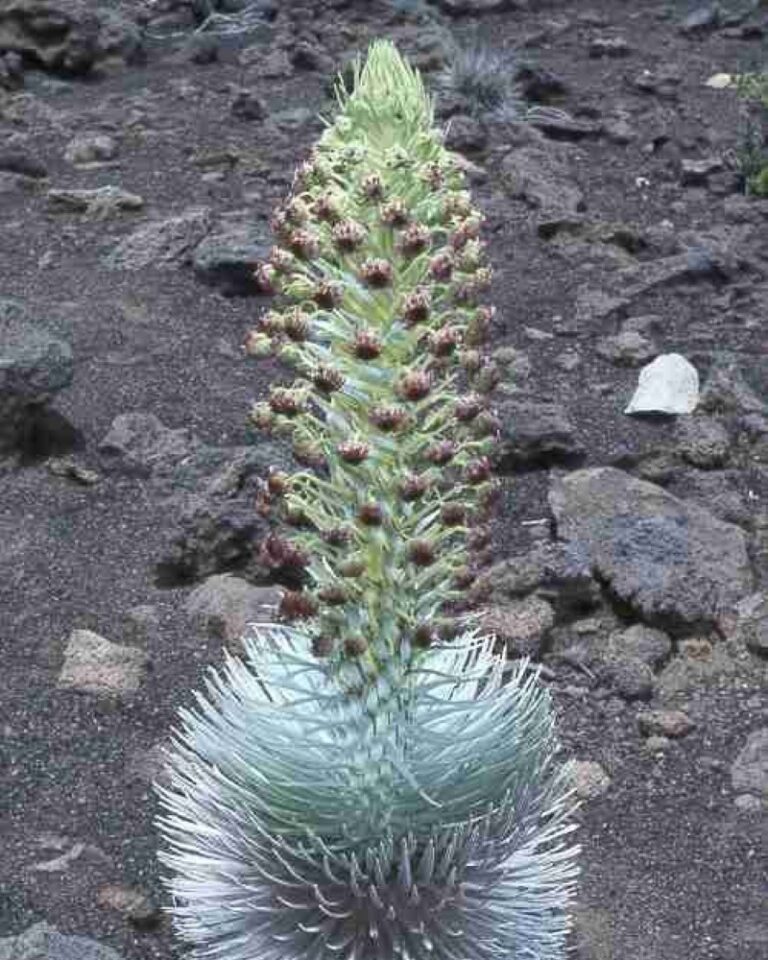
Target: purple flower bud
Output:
[(376, 273), (353, 451), (421, 553), (348, 235), (370, 514), (367, 345), (415, 385)]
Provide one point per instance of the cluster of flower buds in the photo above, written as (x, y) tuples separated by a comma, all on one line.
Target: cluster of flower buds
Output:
[(378, 269)]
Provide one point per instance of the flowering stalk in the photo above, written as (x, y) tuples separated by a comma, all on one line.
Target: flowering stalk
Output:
[(356, 789), (380, 271)]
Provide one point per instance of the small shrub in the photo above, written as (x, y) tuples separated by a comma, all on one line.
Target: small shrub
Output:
[(484, 76)]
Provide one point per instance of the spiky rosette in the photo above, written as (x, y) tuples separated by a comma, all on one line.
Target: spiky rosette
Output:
[(423, 818), (379, 271)]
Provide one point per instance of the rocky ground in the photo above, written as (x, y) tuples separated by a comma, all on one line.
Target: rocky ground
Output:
[(139, 162)]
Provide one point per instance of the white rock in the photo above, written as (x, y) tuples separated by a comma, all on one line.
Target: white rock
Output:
[(719, 81), (589, 779), (670, 384), (95, 665)]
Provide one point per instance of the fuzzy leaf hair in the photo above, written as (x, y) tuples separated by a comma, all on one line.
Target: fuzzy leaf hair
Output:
[(426, 819)]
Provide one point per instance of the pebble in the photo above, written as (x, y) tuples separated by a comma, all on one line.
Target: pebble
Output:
[(665, 723), (94, 665)]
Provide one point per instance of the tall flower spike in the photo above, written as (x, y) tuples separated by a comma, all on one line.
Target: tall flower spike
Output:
[(378, 783)]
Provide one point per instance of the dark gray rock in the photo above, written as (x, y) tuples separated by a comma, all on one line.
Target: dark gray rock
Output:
[(521, 625), (23, 163), (639, 642), (222, 606), (133, 903), (629, 677), (672, 562), (561, 573), (160, 244), (702, 19), (609, 47), (460, 7), (227, 259), (248, 105), (749, 772), (42, 942), (538, 84), (696, 173), (216, 528), (138, 444), (715, 491), (535, 434), (752, 623), (34, 366), (726, 391), (11, 71), (663, 82), (91, 148), (203, 48), (665, 723), (466, 135), (628, 349), (67, 36), (562, 126), (541, 176), (702, 442)]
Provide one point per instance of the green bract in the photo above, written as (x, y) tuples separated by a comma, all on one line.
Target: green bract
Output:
[(358, 789), (380, 270)]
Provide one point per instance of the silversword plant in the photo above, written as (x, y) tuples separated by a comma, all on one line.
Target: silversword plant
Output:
[(361, 786)]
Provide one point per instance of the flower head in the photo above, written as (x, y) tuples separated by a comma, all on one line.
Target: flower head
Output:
[(395, 213), (327, 208), (266, 277), (468, 407), (441, 453), (415, 240), (443, 342), (327, 379), (372, 186), (296, 325), (355, 646), (421, 552), (304, 244), (416, 306), (453, 514), (478, 471), (388, 417), (370, 514), (297, 605), (282, 260), (376, 273), (415, 385), (335, 595), (353, 451), (414, 487), (323, 646), (287, 402), (348, 235), (367, 345), (328, 294), (441, 266)]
